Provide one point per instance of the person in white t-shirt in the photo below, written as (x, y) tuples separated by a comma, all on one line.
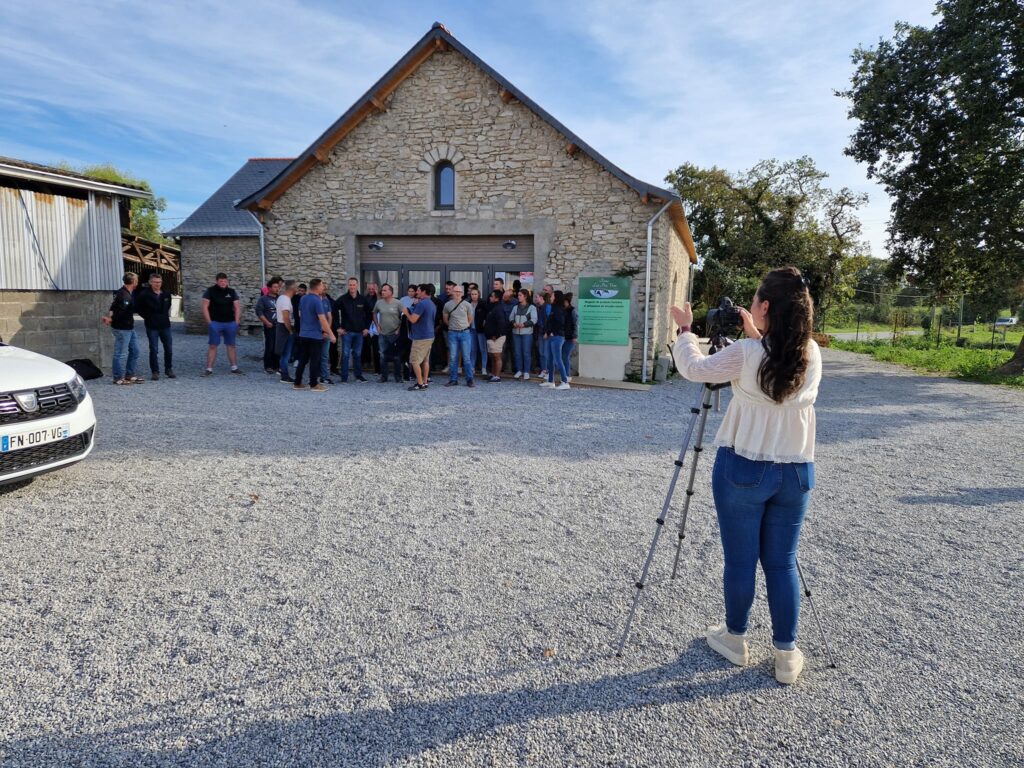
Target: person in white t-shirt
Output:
[(284, 326), (764, 469)]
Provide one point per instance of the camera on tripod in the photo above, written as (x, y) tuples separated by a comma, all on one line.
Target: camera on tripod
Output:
[(725, 320)]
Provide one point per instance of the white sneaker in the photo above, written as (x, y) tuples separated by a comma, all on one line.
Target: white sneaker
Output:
[(563, 385), (788, 665), (547, 385), (732, 647), (519, 375), (542, 375), (568, 380), (445, 369)]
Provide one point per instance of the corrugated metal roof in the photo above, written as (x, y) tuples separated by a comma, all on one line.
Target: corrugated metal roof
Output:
[(218, 217), (22, 169)]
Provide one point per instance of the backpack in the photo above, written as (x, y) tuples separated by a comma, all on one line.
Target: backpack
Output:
[(85, 368)]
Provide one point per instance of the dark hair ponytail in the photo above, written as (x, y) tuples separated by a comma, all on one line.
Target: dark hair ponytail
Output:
[(790, 322)]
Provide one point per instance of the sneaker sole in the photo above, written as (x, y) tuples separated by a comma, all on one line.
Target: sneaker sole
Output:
[(740, 660)]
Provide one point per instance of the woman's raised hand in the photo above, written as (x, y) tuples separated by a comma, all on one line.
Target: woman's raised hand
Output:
[(682, 317), (748, 325)]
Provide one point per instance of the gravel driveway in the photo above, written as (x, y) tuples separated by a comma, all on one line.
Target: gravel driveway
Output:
[(242, 574)]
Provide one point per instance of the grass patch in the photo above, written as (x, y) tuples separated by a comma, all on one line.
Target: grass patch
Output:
[(864, 328), (972, 363)]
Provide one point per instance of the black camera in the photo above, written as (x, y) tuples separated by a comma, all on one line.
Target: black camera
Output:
[(725, 320)]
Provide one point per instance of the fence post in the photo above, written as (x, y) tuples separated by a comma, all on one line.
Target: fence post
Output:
[(856, 336)]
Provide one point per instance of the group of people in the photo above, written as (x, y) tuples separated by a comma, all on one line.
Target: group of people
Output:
[(408, 338), (311, 336)]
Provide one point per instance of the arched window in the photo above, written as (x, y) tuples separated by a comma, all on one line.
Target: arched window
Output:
[(444, 186)]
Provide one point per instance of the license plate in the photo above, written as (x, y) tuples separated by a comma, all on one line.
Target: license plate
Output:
[(34, 437)]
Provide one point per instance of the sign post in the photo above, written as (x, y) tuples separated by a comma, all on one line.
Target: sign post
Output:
[(604, 308)]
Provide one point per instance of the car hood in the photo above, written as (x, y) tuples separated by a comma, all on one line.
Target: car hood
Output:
[(21, 369)]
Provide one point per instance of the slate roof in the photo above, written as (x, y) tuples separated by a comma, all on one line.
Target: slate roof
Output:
[(439, 33), (218, 217)]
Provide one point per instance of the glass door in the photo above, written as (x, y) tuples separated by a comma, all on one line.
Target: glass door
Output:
[(469, 273), (425, 273)]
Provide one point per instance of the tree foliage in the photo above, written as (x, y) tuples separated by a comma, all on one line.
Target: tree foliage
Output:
[(774, 214), (145, 214), (941, 125)]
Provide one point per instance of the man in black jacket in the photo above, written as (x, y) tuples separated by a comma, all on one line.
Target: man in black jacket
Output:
[(354, 320), (153, 303), (121, 320)]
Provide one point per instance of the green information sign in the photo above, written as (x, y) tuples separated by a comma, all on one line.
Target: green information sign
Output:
[(604, 311)]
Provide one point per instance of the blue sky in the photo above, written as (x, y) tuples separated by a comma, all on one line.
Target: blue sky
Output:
[(182, 93)]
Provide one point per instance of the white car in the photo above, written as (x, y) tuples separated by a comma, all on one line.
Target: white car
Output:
[(46, 415)]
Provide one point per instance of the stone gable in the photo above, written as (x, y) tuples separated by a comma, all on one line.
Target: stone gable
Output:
[(513, 174)]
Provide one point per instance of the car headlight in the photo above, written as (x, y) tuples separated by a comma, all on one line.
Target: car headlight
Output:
[(77, 387)]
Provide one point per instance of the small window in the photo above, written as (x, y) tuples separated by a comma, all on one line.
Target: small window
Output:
[(444, 186)]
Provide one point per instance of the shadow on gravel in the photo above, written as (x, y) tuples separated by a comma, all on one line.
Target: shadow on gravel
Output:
[(970, 497), (379, 737)]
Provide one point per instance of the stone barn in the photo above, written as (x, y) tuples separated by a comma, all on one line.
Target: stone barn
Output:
[(444, 170)]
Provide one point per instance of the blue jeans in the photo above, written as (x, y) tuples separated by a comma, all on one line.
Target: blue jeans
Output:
[(286, 354), (761, 506), (126, 346), (352, 345), (162, 336), (554, 346), (480, 351), (325, 359), (389, 353), (523, 347), (460, 340), (567, 349), (542, 353)]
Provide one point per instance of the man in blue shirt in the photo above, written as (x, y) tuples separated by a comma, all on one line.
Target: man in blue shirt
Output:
[(421, 334), (314, 328)]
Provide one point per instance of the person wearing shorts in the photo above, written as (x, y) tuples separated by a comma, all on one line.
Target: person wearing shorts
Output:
[(222, 311), (421, 334)]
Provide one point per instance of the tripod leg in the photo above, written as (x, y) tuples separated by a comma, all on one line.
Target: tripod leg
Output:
[(694, 411), (698, 447), (814, 611)]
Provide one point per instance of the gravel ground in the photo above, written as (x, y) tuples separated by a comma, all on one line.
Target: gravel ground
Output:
[(242, 574)]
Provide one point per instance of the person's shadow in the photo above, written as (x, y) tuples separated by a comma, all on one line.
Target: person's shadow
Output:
[(380, 736)]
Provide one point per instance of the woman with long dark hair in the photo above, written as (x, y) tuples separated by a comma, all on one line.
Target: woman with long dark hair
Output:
[(764, 469), (554, 334)]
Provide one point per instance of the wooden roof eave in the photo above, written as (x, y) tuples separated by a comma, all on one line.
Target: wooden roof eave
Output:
[(437, 39)]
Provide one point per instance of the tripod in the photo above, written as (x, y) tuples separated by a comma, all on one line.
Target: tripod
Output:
[(698, 418)]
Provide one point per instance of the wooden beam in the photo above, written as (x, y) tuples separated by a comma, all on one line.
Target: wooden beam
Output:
[(378, 103), (440, 45), (322, 155), (571, 149), (507, 96), (645, 198)]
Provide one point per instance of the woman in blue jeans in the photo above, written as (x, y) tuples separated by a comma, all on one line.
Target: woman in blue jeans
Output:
[(554, 337), (572, 323), (764, 470)]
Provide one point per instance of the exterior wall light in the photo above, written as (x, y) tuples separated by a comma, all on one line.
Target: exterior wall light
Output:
[(509, 245), (376, 245)]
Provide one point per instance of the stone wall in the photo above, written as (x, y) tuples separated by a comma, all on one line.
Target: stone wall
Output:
[(202, 258), (512, 172), (61, 324)]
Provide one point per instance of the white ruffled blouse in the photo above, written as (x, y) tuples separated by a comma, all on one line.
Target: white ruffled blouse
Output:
[(755, 426)]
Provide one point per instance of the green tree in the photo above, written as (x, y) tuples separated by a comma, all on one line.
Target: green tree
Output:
[(941, 125), (145, 214), (776, 213)]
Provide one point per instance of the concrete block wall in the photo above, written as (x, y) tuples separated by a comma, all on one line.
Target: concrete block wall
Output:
[(60, 324), (202, 258)]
